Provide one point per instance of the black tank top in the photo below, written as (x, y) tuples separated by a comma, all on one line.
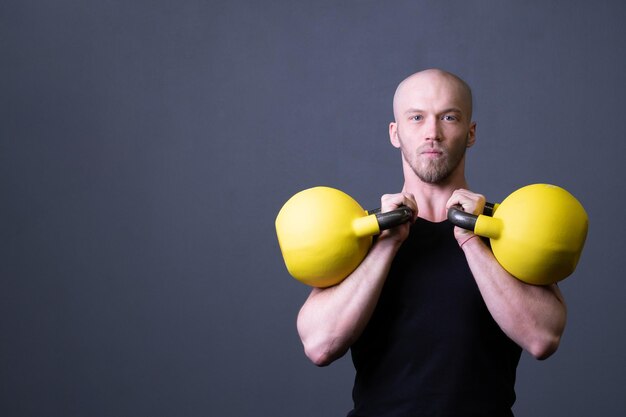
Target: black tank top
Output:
[(431, 347)]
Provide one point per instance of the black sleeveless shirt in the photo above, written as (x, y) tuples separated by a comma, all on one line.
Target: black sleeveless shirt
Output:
[(431, 347)]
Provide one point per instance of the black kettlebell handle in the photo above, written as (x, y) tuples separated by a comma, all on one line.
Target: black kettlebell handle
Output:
[(393, 218), (467, 221)]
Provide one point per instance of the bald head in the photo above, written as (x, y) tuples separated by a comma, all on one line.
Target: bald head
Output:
[(432, 83)]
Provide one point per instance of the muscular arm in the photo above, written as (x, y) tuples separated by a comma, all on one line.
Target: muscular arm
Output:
[(332, 319), (532, 316)]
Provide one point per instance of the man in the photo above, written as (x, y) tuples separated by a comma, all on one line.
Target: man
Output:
[(435, 325)]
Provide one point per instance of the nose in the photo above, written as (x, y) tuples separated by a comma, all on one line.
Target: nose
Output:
[(431, 129)]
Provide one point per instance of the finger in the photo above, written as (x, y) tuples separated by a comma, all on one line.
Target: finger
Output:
[(455, 199), (409, 201), (469, 201), (393, 201)]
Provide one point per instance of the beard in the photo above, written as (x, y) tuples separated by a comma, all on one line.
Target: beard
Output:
[(435, 170)]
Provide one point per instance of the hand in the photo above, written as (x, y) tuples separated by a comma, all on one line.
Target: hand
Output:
[(470, 203), (389, 202)]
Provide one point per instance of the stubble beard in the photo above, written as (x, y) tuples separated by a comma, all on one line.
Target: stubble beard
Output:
[(435, 171)]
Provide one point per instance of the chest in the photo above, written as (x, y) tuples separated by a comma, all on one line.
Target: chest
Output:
[(430, 283)]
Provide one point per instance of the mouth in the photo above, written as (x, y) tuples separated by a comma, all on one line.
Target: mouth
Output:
[(431, 153)]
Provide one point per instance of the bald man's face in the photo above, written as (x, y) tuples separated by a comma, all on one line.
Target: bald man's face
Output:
[(433, 127)]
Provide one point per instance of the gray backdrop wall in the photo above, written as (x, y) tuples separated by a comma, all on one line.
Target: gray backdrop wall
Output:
[(147, 146)]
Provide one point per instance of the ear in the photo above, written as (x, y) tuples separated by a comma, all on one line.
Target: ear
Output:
[(393, 134), (471, 135)]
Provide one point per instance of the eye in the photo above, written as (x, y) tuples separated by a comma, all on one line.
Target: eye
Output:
[(449, 118), (417, 118)]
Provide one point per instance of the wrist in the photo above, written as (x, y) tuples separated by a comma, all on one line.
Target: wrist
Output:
[(467, 239), (388, 243)]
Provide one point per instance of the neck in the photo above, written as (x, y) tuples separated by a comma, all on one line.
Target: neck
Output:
[(432, 198)]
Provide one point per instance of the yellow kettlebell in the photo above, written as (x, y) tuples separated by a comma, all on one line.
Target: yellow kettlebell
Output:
[(324, 234), (537, 233)]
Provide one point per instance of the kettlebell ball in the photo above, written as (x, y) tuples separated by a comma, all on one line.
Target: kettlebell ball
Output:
[(537, 233), (324, 234)]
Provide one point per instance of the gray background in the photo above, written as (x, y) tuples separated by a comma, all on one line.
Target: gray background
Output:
[(147, 146)]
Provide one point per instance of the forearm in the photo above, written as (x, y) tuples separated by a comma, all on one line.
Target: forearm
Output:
[(532, 316), (332, 319)]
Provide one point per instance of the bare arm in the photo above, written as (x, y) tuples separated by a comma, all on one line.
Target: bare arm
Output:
[(532, 316), (332, 319)]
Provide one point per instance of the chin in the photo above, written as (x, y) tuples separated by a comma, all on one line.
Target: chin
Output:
[(433, 174)]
